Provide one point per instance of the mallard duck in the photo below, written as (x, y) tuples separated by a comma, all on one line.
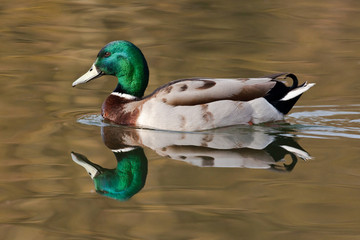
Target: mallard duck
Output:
[(191, 104)]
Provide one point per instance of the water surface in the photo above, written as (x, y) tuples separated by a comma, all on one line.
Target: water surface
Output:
[(298, 179)]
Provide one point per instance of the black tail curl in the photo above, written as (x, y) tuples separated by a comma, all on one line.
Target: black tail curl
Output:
[(295, 80)]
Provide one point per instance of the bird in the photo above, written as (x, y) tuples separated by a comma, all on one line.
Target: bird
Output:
[(190, 104)]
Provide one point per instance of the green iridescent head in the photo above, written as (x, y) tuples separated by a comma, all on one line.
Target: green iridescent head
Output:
[(123, 60)]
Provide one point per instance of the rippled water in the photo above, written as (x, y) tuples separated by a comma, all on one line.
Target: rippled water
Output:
[(297, 179), (329, 121)]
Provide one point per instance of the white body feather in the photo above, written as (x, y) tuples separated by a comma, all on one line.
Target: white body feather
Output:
[(155, 114)]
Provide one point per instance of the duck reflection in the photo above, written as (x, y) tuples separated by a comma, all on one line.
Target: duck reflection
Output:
[(232, 147)]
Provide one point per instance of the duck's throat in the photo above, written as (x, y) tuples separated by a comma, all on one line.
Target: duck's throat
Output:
[(134, 85), (120, 89)]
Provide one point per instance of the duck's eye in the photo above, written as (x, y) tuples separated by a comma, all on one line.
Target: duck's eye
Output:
[(107, 54)]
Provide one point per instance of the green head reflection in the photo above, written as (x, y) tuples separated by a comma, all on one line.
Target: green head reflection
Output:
[(122, 182)]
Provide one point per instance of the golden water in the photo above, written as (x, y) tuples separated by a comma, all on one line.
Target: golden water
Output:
[(45, 46)]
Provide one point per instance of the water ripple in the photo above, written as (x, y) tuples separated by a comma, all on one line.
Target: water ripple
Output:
[(93, 119), (332, 121)]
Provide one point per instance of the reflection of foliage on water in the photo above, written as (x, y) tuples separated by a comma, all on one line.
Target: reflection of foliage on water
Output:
[(226, 148)]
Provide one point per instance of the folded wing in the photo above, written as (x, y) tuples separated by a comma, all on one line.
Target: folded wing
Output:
[(204, 90)]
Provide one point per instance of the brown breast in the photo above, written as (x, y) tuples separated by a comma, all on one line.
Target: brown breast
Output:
[(121, 110)]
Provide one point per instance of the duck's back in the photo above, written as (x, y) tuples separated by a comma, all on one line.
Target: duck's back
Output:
[(196, 91), (205, 103)]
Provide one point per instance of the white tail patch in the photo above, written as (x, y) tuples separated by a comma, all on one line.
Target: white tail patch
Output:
[(300, 153), (297, 91)]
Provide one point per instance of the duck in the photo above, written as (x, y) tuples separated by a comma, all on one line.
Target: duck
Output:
[(189, 104)]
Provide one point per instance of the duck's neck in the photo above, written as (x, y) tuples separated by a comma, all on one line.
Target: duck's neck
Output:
[(135, 79)]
